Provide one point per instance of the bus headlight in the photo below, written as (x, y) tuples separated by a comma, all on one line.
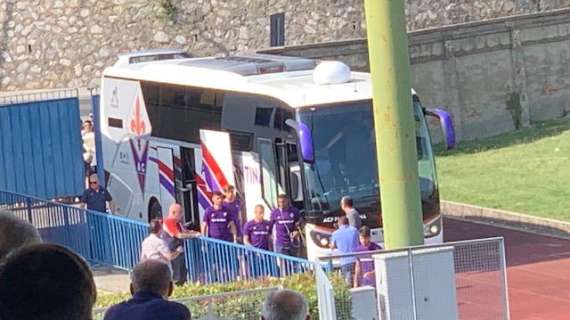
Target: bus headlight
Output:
[(321, 238), (433, 228)]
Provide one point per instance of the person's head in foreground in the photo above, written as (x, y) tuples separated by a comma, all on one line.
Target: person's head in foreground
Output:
[(285, 304), (151, 284), (45, 282), (15, 233), (152, 276)]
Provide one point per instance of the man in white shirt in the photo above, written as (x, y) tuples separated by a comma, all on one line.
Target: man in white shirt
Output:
[(155, 248), (89, 156)]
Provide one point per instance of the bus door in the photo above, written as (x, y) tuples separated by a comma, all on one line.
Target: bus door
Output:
[(289, 176), (188, 189), (166, 178)]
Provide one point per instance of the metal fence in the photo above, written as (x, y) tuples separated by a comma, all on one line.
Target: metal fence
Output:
[(116, 241), (476, 277), (38, 96), (214, 261), (99, 238), (243, 304), (40, 145)]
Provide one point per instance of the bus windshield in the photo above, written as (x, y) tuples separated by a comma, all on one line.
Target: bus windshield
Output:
[(345, 158)]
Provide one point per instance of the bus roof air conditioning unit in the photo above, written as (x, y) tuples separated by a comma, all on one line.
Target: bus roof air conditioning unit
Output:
[(331, 72)]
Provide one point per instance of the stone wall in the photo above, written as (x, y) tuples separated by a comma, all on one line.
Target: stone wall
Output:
[(493, 76), (67, 43)]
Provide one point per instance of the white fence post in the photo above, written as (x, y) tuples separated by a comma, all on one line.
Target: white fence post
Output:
[(325, 294), (503, 262)]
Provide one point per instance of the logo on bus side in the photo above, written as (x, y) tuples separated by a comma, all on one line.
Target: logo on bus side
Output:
[(115, 98), (140, 149), (137, 123)]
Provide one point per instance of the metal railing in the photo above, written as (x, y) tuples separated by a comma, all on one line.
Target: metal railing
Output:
[(116, 241), (325, 294), (479, 275), (38, 96), (98, 237), (243, 304), (213, 261), (94, 91)]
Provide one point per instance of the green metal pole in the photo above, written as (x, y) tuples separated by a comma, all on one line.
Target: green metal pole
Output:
[(394, 123)]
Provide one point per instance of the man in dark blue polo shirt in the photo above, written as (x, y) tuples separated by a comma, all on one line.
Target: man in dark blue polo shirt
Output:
[(151, 285), (96, 197)]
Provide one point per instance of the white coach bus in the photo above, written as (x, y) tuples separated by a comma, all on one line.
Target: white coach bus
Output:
[(176, 130)]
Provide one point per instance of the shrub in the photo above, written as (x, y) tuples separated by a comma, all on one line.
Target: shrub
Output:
[(242, 307)]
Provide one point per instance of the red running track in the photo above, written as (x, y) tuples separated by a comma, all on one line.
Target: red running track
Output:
[(538, 269)]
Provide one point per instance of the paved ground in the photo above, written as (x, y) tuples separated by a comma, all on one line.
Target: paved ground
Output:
[(538, 275), (538, 270), (111, 280)]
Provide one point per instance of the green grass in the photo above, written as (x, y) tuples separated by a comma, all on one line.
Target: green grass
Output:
[(526, 171)]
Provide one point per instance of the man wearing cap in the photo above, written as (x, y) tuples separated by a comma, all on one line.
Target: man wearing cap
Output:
[(96, 197)]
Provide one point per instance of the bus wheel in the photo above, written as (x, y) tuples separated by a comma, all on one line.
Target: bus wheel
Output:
[(154, 210)]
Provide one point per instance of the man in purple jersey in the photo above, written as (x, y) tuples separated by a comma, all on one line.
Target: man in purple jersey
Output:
[(286, 221), (257, 232), (218, 223), (233, 205), (364, 270)]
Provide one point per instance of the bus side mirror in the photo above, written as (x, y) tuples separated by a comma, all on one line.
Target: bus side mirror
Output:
[(305, 139), (446, 125)]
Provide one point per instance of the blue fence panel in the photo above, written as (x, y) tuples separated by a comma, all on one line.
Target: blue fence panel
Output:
[(116, 241), (41, 148), (56, 223), (213, 261), (100, 238)]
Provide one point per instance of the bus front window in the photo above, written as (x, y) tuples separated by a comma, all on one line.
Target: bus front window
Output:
[(345, 159)]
